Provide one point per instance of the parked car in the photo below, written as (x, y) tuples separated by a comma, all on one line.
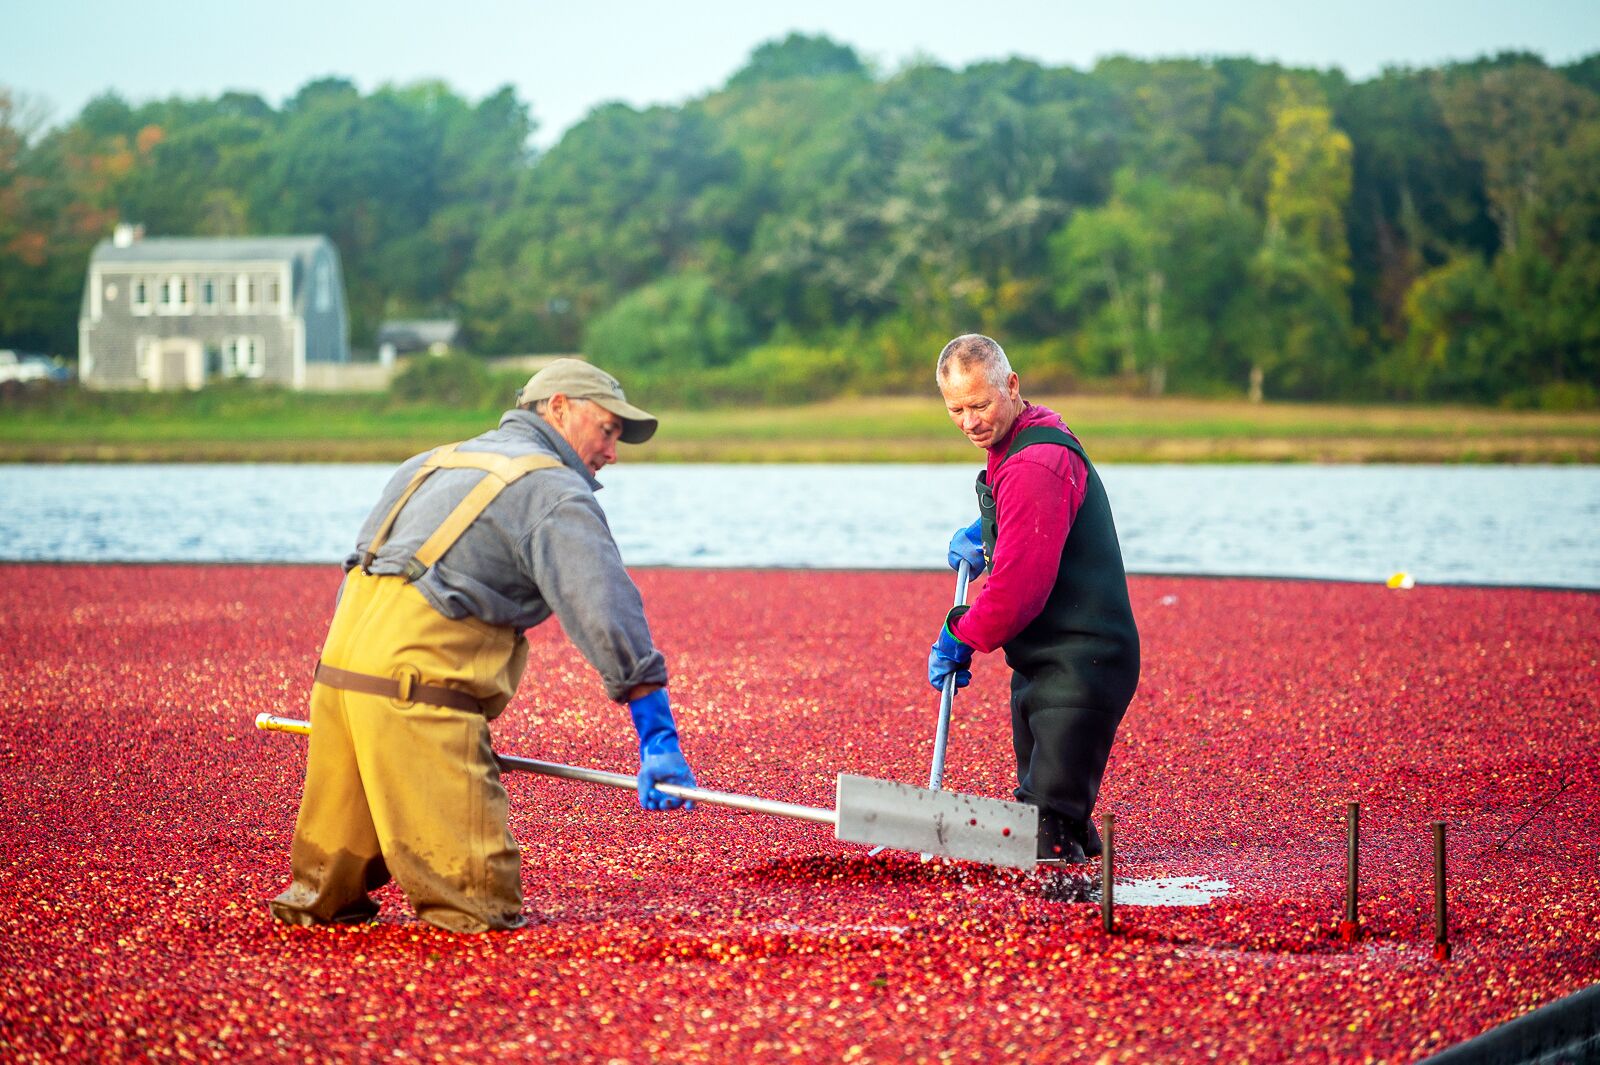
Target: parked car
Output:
[(23, 368)]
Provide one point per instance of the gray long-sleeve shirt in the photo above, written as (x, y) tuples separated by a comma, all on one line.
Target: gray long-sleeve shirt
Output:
[(542, 546)]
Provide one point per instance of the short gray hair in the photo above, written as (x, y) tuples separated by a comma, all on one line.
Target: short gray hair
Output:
[(975, 351)]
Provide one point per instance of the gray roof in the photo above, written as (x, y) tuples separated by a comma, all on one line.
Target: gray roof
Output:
[(300, 251), (420, 332), (208, 249)]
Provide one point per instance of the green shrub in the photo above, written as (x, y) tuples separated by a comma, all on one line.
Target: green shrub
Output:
[(459, 381), (678, 323), (1568, 396), (1046, 365), (504, 386), (777, 375)]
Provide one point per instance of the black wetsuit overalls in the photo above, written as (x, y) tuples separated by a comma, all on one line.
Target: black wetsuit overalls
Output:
[(1075, 666)]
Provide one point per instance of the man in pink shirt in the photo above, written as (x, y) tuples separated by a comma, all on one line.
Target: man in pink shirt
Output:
[(1056, 599)]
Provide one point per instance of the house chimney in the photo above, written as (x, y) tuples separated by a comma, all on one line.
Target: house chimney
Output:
[(125, 235)]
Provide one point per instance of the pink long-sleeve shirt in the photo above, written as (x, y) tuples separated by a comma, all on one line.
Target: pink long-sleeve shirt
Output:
[(1037, 493)]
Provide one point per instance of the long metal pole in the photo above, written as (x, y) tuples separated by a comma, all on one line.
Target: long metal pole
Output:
[(941, 735), (272, 723)]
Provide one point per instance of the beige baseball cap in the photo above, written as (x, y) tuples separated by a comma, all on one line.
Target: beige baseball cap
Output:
[(580, 380)]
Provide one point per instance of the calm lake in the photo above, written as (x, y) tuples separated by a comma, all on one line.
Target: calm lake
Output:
[(1523, 525)]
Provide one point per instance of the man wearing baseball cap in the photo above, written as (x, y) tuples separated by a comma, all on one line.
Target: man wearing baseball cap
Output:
[(470, 545)]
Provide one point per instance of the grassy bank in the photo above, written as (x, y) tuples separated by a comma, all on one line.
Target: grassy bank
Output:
[(243, 426)]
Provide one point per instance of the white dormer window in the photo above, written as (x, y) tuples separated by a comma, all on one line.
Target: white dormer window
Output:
[(244, 357), (176, 296), (139, 297)]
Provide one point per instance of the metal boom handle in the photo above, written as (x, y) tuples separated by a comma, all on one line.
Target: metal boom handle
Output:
[(273, 723), (941, 733)]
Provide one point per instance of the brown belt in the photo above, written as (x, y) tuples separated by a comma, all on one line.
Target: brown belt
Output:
[(403, 689)]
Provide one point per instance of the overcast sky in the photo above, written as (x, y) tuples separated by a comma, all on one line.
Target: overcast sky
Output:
[(564, 58)]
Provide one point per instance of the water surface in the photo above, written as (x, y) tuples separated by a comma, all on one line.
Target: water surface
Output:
[(1524, 525)]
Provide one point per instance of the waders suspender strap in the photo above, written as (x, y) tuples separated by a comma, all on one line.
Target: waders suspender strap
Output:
[(422, 474), (988, 516), (1044, 434), (499, 470)]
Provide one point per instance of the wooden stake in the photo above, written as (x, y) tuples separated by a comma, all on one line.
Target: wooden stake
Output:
[(1107, 860), (1441, 930), (1350, 927)]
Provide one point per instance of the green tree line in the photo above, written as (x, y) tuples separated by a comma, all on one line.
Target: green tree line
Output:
[(1220, 226)]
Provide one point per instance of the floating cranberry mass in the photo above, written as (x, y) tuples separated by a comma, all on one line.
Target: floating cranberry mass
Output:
[(145, 822)]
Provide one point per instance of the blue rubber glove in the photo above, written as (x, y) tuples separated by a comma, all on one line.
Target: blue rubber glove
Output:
[(949, 655), (660, 760), (968, 544)]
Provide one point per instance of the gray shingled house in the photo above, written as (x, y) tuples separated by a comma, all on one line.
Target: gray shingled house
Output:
[(176, 312)]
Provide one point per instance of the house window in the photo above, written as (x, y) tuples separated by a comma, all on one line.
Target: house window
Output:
[(140, 296), (208, 293), (244, 357), (324, 287), (176, 296), (272, 293)]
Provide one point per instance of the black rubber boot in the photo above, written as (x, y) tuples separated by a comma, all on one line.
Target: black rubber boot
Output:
[(1061, 758), (1060, 841)]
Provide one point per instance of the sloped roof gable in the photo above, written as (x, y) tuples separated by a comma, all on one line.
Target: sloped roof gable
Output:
[(154, 250)]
